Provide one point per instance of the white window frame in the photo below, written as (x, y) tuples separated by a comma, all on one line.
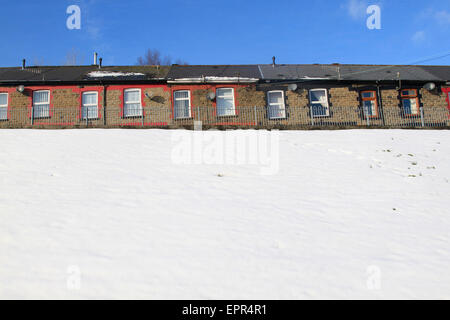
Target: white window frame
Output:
[(415, 98), (83, 105), (183, 99), (373, 107), (327, 102), (281, 107), (218, 96), (4, 106), (132, 102), (37, 104)]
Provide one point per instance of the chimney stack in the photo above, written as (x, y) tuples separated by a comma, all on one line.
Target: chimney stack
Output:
[(24, 62), (95, 58)]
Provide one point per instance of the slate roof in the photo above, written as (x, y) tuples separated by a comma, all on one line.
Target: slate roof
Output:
[(279, 72), (295, 72), (442, 72), (354, 72), (222, 71), (82, 74)]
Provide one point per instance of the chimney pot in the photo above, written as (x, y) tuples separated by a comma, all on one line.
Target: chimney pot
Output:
[(24, 62), (95, 58), (100, 62), (273, 61)]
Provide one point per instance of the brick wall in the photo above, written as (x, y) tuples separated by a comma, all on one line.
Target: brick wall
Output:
[(64, 107), (250, 101), (433, 107), (156, 109), (18, 110)]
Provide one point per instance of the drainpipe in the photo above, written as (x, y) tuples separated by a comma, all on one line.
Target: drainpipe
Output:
[(104, 105), (380, 99)]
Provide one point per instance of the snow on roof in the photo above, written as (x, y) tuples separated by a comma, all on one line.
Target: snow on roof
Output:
[(215, 79), (314, 78), (100, 74)]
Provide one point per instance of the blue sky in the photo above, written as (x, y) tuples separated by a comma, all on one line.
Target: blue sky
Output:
[(226, 32)]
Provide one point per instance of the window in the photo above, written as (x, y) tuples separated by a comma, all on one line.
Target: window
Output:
[(225, 102), (3, 106), (90, 105), (182, 104), (276, 108), (41, 104), (319, 103), (132, 103), (369, 103), (410, 102)]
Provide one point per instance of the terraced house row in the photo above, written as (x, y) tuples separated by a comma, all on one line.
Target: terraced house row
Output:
[(256, 96)]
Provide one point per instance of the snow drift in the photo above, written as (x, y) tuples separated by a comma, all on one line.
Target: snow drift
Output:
[(109, 214)]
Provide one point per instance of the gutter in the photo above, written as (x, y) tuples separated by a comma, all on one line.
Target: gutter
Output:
[(28, 81), (200, 80), (91, 82)]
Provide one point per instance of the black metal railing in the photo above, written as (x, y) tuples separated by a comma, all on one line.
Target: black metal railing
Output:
[(239, 116)]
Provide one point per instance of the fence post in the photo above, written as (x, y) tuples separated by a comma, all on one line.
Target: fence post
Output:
[(142, 117), (366, 114), (311, 114), (32, 115), (256, 116), (422, 120), (87, 116)]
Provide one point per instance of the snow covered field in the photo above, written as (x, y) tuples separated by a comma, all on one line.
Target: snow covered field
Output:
[(113, 214)]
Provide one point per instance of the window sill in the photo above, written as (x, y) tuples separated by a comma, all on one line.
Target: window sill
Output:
[(405, 115), (228, 116), (41, 118), (133, 117), (282, 118)]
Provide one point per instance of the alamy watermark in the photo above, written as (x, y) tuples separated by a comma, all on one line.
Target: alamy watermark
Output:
[(73, 278), (374, 19), (373, 278), (73, 22), (255, 148)]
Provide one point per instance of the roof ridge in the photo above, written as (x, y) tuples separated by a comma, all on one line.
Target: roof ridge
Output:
[(229, 65)]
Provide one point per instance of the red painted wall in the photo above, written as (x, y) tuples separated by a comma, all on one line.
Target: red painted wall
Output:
[(447, 93)]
